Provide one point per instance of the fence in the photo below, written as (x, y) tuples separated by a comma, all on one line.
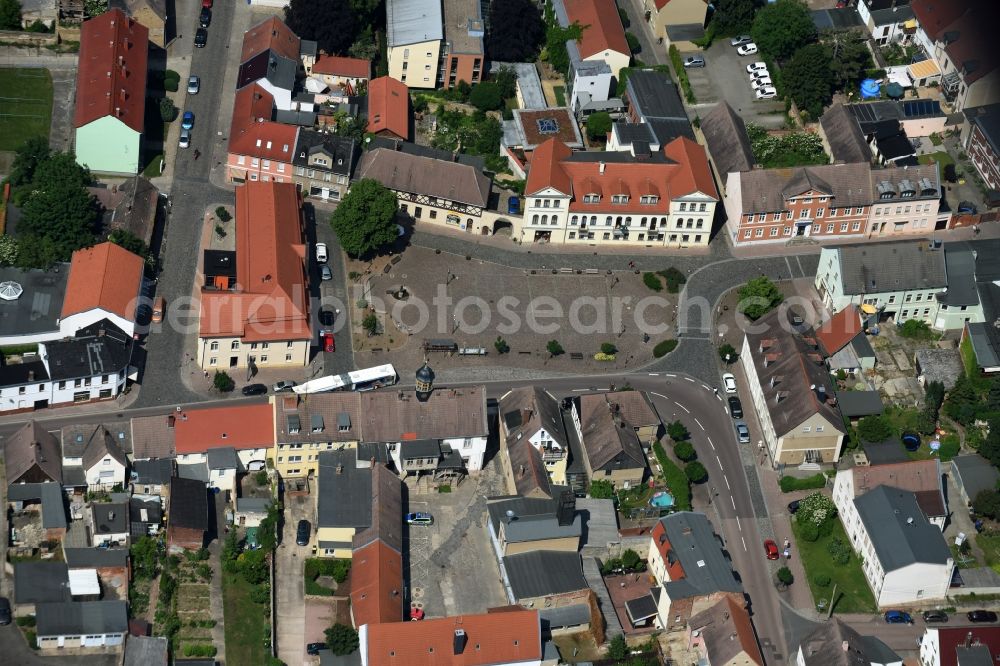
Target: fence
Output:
[(29, 38)]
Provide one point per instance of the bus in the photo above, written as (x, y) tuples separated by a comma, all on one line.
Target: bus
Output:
[(356, 380)]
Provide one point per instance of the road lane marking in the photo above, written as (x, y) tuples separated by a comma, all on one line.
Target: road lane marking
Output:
[(683, 407), (738, 525), (709, 388), (689, 379), (667, 374), (654, 374), (699, 424), (727, 481), (744, 543), (733, 500), (711, 443), (660, 395), (580, 390), (719, 460), (720, 399)]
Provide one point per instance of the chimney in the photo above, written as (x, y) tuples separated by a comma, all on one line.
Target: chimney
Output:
[(170, 420), (845, 646), (340, 468), (821, 392), (526, 414), (601, 166), (460, 640), (521, 473), (31, 375), (111, 515), (566, 510)]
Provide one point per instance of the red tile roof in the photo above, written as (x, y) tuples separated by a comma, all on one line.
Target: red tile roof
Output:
[(111, 79), (389, 107), (839, 329), (271, 34), (491, 638), (271, 299), (675, 571), (341, 66), (105, 276), (684, 172), (951, 638), (376, 584), (602, 27), (253, 133), (241, 427), (935, 15)]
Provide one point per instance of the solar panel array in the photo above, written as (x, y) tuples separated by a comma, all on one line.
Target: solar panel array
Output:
[(921, 107), (547, 126)]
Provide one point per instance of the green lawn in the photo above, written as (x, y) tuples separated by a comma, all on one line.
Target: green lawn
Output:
[(941, 157), (25, 105), (990, 543), (246, 622), (853, 593), (560, 92)]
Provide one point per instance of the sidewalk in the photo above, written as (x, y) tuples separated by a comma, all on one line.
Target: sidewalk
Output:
[(122, 402)]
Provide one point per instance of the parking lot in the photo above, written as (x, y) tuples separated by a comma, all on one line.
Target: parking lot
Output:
[(453, 570), (725, 77)]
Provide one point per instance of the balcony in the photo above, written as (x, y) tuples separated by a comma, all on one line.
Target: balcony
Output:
[(549, 455)]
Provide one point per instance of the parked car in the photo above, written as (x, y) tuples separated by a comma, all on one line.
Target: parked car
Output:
[(329, 344), (255, 389), (159, 307), (935, 616), (729, 381), (419, 518), (200, 38), (321, 255), (735, 407), (741, 40), (325, 273), (284, 385), (793, 506), (185, 140), (966, 208), (314, 648), (194, 85), (206, 3), (766, 93), (205, 17), (187, 121), (762, 82), (302, 533), (326, 317), (747, 49), (5, 611), (759, 74), (898, 617), (771, 549), (756, 67), (742, 432), (982, 616), (694, 61)]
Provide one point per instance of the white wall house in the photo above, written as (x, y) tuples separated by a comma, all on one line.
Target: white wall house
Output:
[(921, 477), (472, 450), (904, 557)]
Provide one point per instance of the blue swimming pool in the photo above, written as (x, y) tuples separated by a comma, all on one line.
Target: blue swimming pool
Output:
[(662, 499)]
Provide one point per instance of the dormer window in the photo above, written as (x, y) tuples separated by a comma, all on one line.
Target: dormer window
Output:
[(649, 199), (591, 198), (619, 199)]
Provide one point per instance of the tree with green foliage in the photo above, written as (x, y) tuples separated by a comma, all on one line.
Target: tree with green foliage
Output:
[(34, 151), (598, 126), (962, 402), (501, 345), (617, 648), (10, 15), (875, 428), (784, 575), (332, 25), (486, 96), (370, 323), (129, 241), (685, 451), (365, 218), (816, 509), (554, 348), (630, 559), (8, 250), (990, 448), (168, 112), (934, 396), (601, 489), (35, 251), (782, 27), (252, 565), (696, 472), (145, 554), (674, 279), (609, 348), (808, 78), (505, 79), (341, 639), (223, 382), (267, 531), (556, 37), (915, 329), (758, 297), (732, 17), (993, 396), (728, 353), (634, 45), (230, 550), (94, 8), (987, 503), (850, 59), (223, 214), (516, 31), (677, 431)]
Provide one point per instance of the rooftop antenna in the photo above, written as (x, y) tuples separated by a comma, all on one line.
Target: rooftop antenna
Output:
[(510, 516)]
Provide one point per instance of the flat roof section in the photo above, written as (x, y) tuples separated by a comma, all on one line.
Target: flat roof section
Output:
[(40, 304)]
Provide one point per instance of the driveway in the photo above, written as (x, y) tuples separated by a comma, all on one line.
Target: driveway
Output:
[(724, 77), (290, 586)]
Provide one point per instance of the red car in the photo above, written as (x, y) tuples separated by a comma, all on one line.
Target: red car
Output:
[(771, 549), (207, 4), (329, 344)]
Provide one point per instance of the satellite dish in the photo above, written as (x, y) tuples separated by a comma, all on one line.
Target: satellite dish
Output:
[(510, 516)]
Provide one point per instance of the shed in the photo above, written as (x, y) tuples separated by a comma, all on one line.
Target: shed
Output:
[(855, 404), (939, 365), (973, 474)]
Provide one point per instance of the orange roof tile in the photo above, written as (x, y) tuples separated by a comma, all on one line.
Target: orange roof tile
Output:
[(241, 427), (491, 638), (253, 133), (605, 29), (546, 168), (675, 571), (376, 584), (271, 299), (111, 79), (839, 329), (105, 276), (696, 176), (342, 66), (389, 107), (935, 15), (271, 34)]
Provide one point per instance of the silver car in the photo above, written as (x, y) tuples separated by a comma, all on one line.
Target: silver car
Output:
[(194, 85), (325, 273), (185, 140), (694, 61), (741, 40), (742, 432)]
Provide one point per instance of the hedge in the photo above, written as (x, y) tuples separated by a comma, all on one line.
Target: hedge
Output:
[(652, 281), (790, 483), (663, 348), (675, 478)]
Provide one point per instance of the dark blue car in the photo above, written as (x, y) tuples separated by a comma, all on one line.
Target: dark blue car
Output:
[(898, 617), (513, 206)]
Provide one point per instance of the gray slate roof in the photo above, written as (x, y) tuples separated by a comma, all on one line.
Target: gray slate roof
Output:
[(412, 21), (886, 512), (540, 573), (156, 471), (53, 506), (252, 504), (110, 518), (600, 523), (987, 119), (855, 404), (891, 266), (36, 582), (847, 143), (960, 268), (764, 190), (975, 474), (95, 558), (654, 95), (193, 472), (564, 616), (345, 497), (223, 458), (32, 445), (706, 568), (443, 179), (146, 651), (818, 647), (727, 139), (81, 617), (533, 518)]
